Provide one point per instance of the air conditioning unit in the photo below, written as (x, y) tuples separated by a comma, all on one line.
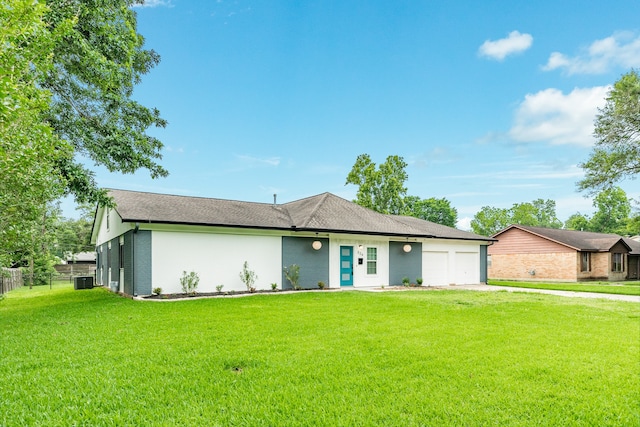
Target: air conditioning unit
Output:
[(83, 282)]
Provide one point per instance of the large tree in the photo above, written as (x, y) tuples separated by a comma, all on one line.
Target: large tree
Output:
[(489, 220), (578, 222), (539, 213), (616, 154), (432, 209), (612, 211), (380, 188), (29, 148), (96, 66), (67, 72)]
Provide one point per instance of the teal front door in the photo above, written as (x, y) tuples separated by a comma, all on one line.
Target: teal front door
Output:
[(346, 265)]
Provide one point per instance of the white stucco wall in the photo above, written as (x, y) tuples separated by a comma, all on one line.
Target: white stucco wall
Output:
[(115, 229), (450, 262), (217, 258)]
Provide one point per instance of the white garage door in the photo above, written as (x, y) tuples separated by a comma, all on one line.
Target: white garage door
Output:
[(467, 268), (435, 268)]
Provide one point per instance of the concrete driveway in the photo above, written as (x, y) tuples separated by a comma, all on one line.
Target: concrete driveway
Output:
[(593, 295)]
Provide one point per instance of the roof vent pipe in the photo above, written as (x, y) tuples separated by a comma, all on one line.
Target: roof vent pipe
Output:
[(274, 198)]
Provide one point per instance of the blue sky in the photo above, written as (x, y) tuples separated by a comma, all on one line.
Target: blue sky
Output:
[(490, 103)]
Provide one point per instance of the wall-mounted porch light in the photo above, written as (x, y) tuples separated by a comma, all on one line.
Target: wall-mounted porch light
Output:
[(407, 248), (316, 245)]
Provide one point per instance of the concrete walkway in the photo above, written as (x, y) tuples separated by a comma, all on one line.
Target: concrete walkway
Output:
[(593, 295)]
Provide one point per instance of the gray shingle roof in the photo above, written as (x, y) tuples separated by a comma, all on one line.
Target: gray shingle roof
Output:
[(587, 241), (633, 244), (324, 212)]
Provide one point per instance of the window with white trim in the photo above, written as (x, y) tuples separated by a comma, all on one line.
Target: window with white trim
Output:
[(617, 263), (372, 260)]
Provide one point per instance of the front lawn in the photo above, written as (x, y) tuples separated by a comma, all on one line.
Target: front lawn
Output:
[(620, 288), (89, 357)]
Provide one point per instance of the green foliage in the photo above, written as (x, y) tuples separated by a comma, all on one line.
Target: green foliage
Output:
[(612, 211), (29, 149), (406, 281), (72, 236), (379, 188), (435, 210), (613, 215), (97, 65), (321, 285), (189, 282), (274, 286), (578, 222), (489, 220), (419, 281), (248, 277), (616, 154), (157, 291), (538, 213), (219, 288), (292, 274), (577, 359), (633, 225)]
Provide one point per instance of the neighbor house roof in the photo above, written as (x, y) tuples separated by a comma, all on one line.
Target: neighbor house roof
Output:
[(633, 244), (322, 213), (586, 241)]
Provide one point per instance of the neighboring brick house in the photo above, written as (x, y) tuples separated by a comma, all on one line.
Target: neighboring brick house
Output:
[(537, 253)]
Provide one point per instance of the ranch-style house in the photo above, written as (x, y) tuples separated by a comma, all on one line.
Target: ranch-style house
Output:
[(148, 240)]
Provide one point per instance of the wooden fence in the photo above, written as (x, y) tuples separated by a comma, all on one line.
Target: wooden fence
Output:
[(10, 279)]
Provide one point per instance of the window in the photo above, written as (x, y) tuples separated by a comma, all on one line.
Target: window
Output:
[(617, 263), (372, 260), (488, 260), (107, 210), (585, 261), (121, 255)]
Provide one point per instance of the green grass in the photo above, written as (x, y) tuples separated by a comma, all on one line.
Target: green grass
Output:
[(619, 288), (90, 357)]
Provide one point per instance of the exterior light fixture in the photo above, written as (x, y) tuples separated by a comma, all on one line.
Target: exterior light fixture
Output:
[(316, 245), (407, 248)]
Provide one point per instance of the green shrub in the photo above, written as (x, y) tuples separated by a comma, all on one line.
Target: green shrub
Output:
[(248, 277), (274, 286), (321, 285), (419, 281), (219, 288), (292, 274), (189, 282), (405, 281), (157, 291)]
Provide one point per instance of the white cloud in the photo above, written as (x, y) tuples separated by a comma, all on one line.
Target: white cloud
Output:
[(515, 42), (552, 116), (620, 49), (253, 161), (464, 224)]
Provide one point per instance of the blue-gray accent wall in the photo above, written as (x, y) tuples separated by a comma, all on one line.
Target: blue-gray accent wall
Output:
[(483, 264), (142, 262), (404, 264), (128, 284), (314, 265), (102, 264)]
